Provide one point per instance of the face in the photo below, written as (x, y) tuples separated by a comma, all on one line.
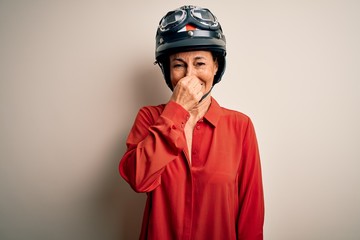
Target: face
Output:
[(200, 64)]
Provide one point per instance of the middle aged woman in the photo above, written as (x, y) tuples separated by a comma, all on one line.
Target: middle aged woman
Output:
[(197, 161)]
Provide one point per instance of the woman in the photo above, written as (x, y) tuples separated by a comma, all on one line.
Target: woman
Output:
[(198, 162)]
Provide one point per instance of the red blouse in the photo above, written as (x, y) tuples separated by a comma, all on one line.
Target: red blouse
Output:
[(220, 196)]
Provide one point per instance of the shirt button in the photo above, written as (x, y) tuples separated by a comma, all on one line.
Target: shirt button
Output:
[(187, 117), (197, 127)]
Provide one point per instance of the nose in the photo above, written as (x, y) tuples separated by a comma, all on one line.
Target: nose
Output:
[(190, 70)]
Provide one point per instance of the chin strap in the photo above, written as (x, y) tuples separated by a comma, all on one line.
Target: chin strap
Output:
[(206, 94)]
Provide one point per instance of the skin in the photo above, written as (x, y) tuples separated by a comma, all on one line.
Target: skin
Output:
[(192, 76)]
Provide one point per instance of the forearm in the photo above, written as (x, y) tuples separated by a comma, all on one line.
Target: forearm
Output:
[(162, 142)]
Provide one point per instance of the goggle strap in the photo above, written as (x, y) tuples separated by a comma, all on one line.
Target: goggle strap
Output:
[(193, 34)]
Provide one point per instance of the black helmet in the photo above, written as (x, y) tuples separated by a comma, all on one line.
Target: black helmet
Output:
[(189, 28)]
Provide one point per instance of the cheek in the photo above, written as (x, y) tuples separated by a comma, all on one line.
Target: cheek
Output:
[(208, 78), (175, 76), (174, 82)]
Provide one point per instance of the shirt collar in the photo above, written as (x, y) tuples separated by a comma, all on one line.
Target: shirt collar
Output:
[(214, 112)]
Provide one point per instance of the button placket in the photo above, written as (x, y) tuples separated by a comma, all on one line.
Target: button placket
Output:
[(197, 143)]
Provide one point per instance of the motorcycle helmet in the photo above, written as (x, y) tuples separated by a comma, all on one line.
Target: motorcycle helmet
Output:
[(189, 28)]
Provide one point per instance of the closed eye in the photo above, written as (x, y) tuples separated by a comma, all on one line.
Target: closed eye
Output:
[(178, 65)]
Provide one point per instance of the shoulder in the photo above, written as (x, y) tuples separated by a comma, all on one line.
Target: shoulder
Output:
[(234, 116), (239, 123), (152, 110), (219, 115)]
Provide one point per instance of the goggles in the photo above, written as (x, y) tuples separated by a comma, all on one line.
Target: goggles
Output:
[(201, 17)]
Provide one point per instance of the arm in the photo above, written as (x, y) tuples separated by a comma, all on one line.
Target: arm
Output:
[(251, 196), (151, 145)]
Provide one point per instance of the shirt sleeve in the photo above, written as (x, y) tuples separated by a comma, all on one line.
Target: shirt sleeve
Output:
[(151, 145), (251, 197)]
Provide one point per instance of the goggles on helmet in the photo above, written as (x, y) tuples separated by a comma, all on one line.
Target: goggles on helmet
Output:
[(201, 17)]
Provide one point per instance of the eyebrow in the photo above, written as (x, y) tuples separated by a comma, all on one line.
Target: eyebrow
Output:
[(182, 60)]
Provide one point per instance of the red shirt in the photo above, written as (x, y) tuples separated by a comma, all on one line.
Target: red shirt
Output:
[(220, 196)]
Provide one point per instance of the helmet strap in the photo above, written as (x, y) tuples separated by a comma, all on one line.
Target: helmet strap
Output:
[(206, 94)]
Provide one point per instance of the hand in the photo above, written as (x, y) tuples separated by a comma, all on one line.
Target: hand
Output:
[(188, 92)]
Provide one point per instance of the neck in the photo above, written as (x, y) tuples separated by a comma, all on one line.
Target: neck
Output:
[(201, 108)]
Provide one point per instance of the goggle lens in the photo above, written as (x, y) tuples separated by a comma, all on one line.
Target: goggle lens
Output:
[(204, 16), (173, 18)]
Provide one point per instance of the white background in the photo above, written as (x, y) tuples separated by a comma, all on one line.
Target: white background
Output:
[(73, 75)]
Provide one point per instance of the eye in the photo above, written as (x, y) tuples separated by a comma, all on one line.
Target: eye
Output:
[(199, 64), (178, 65)]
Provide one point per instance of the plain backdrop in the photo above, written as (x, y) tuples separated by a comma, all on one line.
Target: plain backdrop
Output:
[(73, 75)]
